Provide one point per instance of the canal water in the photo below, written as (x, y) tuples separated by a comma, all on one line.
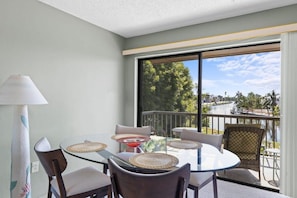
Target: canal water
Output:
[(225, 109)]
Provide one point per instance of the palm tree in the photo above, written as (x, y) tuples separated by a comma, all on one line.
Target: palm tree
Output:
[(270, 102), (240, 101)]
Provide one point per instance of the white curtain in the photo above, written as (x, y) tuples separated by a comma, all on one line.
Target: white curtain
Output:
[(288, 108)]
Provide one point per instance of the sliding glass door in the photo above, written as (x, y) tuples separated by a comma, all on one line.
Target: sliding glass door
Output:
[(206, 90)]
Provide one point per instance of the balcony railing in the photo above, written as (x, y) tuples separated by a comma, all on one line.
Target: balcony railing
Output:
[(164, 121)]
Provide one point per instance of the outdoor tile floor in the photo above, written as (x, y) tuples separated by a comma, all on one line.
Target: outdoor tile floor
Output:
[(269, 178)]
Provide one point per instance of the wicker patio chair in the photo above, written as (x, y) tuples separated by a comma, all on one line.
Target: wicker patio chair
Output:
[(245, 141)]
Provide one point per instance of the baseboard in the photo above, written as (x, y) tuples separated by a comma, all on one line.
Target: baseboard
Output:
[(248, 184)]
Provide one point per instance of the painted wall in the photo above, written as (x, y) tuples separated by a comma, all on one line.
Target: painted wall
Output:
[(78, 67), (274, 17)]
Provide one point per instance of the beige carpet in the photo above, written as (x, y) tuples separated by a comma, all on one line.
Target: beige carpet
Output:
[(233, 190)]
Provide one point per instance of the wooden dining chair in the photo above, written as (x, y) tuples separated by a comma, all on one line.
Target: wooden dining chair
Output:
[(85, 182), (199, 180), (245, 141), (128, 184)]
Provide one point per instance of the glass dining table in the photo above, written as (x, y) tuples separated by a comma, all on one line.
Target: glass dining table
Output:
[(99, 147)]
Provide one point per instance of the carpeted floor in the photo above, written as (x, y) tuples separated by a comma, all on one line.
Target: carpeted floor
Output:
[(233, 190)]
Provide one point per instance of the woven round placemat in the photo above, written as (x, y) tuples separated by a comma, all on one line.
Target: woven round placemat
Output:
[(184, 144), (86, 147), (153, 160)]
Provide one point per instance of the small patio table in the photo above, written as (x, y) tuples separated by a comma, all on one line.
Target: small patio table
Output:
[(275, 152)]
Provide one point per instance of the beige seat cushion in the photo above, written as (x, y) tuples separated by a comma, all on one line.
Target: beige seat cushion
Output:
[(197, 179), (82, 180)]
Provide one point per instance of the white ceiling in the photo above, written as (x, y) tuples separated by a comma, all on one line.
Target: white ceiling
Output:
[(130, 18)]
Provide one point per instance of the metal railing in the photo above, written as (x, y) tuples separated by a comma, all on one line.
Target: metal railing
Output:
[(164, 121)]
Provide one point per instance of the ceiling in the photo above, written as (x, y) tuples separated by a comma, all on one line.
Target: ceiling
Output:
[(130, 18)]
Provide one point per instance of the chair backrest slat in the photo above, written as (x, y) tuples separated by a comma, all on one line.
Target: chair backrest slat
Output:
[(53, 162), (46, 159)]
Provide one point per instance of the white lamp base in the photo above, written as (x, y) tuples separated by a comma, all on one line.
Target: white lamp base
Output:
[(20, 186)]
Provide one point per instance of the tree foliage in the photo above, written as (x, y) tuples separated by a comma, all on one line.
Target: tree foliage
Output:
[(255, 101), (167, 87)]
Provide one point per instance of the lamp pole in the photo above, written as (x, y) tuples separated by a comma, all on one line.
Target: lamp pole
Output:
[(20, 181)]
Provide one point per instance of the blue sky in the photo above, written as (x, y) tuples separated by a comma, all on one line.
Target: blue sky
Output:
[(257, 73)]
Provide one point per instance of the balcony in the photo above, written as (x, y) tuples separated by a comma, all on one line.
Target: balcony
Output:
[(163, 122)]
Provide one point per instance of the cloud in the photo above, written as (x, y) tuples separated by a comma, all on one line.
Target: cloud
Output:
[(259, 73), (252, 64), (209, 83)]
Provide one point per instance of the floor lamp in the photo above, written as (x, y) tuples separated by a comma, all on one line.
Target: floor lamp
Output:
[(20, 91)]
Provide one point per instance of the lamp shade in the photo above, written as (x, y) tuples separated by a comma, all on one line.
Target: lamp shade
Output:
[(20, 90)]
